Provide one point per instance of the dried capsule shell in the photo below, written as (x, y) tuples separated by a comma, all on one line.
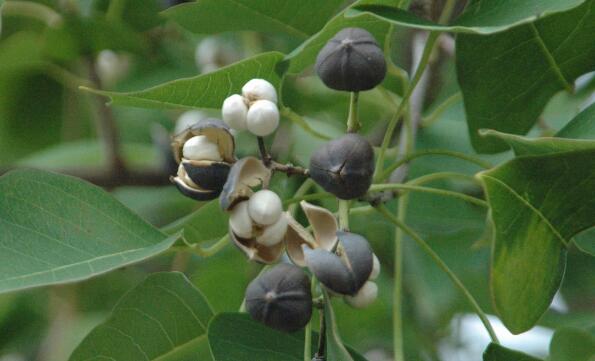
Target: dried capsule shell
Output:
[(281, 298), (207, 175), (352, 60), (244, 174), (190, 189), (345, 271), (324, 226), (255, 251), (344, 166)]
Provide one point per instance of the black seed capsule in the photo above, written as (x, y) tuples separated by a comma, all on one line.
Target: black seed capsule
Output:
[(281, 298), (344, 166), (352, 60)]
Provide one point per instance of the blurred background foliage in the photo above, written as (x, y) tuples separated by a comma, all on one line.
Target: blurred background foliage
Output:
[(47, 122)]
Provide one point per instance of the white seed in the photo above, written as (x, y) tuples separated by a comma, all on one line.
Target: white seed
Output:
[(111, 67), (262, 118), (364, 297), (201, 148), (274, 233), (375, 269), (240, 221), (258, 89), (265, 207), (234, 111)]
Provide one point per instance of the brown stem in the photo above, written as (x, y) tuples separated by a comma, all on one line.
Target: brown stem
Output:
[(289, 169), (264, 154), (106, 126)]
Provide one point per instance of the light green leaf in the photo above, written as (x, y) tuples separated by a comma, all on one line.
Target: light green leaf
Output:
[(536, 146), (507, 78), (336, 351), (208, 223), (305, 55), (203, 91), (164, 318), (496, 352), (298, 18), (481, 16), (538, 203), (235, 336), (58, 229), (581, 127), (571, 344)]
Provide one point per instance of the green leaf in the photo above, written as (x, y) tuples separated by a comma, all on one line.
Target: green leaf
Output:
[(163, 318), (208, 223), (507, 78), (582, 126), (305, 55), (58, 229), (336, 351), (538, 203), (536, 146), (496, 352), (203, 91), (481, 16), (235, 336), (297, 18), (571, 344)]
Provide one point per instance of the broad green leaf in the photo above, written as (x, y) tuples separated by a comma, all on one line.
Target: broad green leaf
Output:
[(581, 127), (163, 318), (571, 344), (507, 78), (536, 146), (203, 91), (586, 241), (496, 352), (335, 349), (208, 223), (297, 18), (235, 336), (58, 229), (481, 16), (305, 55), (538, 203), (89, 154)]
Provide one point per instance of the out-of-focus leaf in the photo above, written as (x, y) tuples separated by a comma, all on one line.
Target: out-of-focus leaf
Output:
[(298, 18), (21, 51), (480, 16), (570, 344), (336, 351), (203, 91), (537, 203), (163, 318), (235, 336), (496, 352), (58, 229), (89, 154), (507, 78), (208, 223)]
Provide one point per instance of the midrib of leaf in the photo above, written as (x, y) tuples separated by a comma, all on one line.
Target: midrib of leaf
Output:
[(530, 206), (550, 58), (289, 28)]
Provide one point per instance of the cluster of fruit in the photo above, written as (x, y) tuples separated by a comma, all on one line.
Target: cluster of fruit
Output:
[(343, 262)]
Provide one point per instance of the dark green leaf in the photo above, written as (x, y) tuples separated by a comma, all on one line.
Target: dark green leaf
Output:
[(507, 78), (298, 18), (203, 91), (208, 223), (570, 344), (481, 16), (336, 351), (496, 352), (163, 318), (538, 203), (58, 229), (235, 336)]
